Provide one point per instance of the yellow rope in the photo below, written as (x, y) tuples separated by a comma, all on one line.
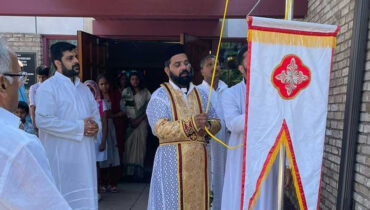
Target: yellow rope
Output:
[(217, 53), (213, 78), (220, 141), (287, 10)]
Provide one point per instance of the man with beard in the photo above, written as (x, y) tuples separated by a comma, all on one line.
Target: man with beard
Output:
[(68, 120), (176, 116)]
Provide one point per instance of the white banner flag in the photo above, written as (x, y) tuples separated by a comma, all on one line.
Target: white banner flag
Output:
[(287, 85)]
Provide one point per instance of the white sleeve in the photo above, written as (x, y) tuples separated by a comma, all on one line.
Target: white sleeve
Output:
[(47, 120), (158, 108), (32, 95), (233, 115), (29, 184), (94, 110)]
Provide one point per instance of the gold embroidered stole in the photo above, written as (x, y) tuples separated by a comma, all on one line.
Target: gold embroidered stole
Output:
[(191, 155)]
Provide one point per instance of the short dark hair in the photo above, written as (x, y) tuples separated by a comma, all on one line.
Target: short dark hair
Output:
[(23, 105), (241, 55), (57, 49), (205, 59), (42, 70)]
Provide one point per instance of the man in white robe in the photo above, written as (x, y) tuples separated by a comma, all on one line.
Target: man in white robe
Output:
[(68, 119), (233, 103), (217, 152), (42, 74), (26, 181)]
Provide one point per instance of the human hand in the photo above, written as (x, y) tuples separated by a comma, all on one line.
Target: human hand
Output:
[(102, 147), (201, 120), (91, 128)]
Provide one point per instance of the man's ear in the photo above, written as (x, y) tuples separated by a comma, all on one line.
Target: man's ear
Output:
[(167, 71), (201, 71), (241, 70), (58, 64), (3, 84)]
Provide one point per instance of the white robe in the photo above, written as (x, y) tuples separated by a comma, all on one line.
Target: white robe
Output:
[(26, 181), (233, 103), (217, 152), (61, 108)]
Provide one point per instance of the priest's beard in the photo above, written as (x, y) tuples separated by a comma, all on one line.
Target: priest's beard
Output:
[(71, 73), (182, 80)]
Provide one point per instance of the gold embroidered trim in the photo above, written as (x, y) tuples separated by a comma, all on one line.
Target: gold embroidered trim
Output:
[(189, 129)]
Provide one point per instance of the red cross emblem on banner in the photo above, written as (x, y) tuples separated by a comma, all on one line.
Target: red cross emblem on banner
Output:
[(290, 77)]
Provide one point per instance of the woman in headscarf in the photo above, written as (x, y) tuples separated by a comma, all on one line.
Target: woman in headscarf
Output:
[(101, 142)]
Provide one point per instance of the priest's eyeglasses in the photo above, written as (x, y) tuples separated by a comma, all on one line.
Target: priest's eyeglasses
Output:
[(22, 76)]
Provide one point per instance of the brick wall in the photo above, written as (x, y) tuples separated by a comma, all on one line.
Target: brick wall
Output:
[(361, 192), (338, 12), (20, 42)]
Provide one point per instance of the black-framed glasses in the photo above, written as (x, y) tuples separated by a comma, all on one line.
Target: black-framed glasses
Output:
[(22, 76)]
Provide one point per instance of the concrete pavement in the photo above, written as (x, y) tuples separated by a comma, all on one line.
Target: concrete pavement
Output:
[(131, 196)]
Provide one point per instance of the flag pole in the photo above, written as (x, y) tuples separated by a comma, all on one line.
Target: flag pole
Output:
[(280, 192)]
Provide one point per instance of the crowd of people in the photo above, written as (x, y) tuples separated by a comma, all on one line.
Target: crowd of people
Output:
[(83, 137)]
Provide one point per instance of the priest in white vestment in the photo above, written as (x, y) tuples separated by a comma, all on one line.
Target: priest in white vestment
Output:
[(176, 114), (217, 152), (26, 181), (68, 119)]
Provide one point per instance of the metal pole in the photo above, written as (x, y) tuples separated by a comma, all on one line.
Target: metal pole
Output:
[(357, 62), (280, 192), (289, 9)]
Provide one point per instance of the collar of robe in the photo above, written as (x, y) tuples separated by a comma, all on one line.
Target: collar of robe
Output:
[(64, 78), (221, 85), (186, 91), (9, 118)]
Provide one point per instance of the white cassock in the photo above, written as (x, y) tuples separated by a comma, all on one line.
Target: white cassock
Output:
[(233, 103), (25, 178), (61, 109), (217, 152)]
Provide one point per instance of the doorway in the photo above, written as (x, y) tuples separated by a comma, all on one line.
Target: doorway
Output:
[(99, 55)]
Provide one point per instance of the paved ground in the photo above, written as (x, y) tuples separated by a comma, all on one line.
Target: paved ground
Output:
[(134, 196), (131, 196)]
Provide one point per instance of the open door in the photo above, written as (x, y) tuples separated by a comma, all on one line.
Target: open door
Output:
[(196, 49), (93, 55)]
